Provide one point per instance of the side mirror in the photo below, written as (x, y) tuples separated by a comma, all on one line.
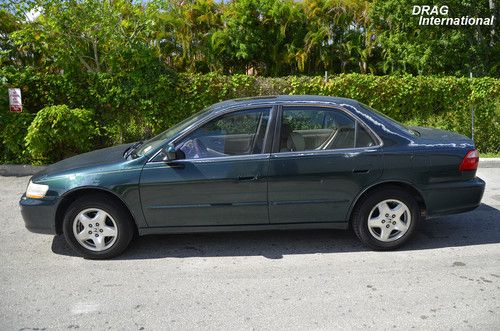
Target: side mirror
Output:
[(171, 154)]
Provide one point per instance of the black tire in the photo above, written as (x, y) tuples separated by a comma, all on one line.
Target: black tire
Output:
[(124, 225), (359, 219)]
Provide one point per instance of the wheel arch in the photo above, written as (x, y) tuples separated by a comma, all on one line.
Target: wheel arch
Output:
[(69, 197), (391, 183)]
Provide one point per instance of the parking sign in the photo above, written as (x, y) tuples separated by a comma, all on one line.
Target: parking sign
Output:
[(15, 103)]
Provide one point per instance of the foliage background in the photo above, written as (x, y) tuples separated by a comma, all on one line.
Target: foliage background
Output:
[(442, 102), (141, 66)]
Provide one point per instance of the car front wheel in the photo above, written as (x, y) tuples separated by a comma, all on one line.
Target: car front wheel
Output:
[(97, 227), (386, 219)]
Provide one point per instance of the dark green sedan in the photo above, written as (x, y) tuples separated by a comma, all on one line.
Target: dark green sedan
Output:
[(285, 162)]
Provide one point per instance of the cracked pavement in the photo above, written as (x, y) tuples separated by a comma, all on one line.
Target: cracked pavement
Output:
[(447, 277)]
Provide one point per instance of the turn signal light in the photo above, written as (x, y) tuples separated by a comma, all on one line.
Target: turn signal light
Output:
[(470, 161)]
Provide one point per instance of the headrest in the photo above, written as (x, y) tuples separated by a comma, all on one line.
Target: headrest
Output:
[(296, 142)]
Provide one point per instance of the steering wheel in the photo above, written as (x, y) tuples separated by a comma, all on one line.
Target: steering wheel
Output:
[(194, 149)]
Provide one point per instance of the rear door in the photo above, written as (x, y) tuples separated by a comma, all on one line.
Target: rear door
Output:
[(322, 158)]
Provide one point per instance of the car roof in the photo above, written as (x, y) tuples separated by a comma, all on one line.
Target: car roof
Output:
[(280, 99)]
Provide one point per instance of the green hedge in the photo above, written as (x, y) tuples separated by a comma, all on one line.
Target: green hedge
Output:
[(129, 108), (442, 102)]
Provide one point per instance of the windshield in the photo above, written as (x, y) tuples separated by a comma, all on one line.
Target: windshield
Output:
[(158, 140), (393, 121)]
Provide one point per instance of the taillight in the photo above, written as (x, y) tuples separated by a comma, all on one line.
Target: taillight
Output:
[(470, 161)]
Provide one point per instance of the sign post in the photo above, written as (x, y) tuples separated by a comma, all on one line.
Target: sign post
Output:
[(15, 103)]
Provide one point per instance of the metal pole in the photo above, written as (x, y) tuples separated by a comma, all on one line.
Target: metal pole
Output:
[(471, 114)]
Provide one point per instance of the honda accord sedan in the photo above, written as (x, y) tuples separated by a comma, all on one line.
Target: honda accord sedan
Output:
[(265, 163)]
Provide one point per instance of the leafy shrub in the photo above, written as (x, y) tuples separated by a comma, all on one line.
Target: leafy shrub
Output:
[(13, 129), (58, 132)]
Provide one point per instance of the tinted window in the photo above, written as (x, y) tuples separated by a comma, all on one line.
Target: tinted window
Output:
[(160, 139), (309, 128), (238, 133)]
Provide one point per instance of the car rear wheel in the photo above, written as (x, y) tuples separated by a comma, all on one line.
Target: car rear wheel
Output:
[(386, 219), (97, 227)]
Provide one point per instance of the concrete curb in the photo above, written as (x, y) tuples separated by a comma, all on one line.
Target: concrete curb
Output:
[(492, 162), (19, 170)]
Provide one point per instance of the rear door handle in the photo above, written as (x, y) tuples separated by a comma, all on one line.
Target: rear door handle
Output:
[(246, 178), (361, 171)]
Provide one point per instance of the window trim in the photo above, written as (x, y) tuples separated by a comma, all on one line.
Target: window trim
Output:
[(277, 133)]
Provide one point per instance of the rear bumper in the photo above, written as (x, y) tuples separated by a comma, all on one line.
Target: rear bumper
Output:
[(452, 198), (39, 215)]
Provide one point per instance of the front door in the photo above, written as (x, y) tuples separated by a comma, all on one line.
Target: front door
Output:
[(222, 180), (322, 160)]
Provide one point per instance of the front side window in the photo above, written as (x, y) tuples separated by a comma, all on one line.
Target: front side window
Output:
[(311, 128), (238, 133), (158, 140)]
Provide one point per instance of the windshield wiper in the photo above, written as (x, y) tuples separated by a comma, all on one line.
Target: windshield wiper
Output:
[(132, 148)]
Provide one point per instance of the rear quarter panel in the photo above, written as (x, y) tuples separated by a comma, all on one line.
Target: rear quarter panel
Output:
[(430, 163)]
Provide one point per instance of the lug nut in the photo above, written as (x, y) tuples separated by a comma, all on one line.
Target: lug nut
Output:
[(96, 235), (90, 232), (386, 215), (383, 221), (387, 226), (393, 216), (394, 223), (101, 229), (90, 225), (97, 224)]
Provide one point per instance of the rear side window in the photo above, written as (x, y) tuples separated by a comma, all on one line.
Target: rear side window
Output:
[(306, 128)]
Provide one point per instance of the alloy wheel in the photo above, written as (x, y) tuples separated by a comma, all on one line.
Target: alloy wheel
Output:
[(389, 220), (95, 229)]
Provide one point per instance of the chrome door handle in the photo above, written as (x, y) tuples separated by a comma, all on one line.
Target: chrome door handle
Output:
[(246, 178)]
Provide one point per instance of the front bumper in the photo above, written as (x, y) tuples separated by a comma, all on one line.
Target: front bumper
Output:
[(39, 215), (455, 197)]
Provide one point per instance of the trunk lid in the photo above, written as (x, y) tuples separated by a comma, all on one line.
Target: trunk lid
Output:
[(441, 136)]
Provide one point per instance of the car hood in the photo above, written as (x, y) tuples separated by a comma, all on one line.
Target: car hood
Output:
[(101, 157)]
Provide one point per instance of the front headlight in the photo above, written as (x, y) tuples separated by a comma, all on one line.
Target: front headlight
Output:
[(36, 191)]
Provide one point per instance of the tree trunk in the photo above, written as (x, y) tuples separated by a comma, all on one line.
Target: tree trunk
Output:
[(96, 57)]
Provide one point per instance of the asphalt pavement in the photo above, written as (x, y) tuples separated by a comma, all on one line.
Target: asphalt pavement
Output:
[(448, 277)]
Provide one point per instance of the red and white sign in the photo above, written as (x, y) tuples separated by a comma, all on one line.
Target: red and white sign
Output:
[(15, 102)]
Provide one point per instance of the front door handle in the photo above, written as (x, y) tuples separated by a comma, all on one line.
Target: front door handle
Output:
[(361, 171)]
